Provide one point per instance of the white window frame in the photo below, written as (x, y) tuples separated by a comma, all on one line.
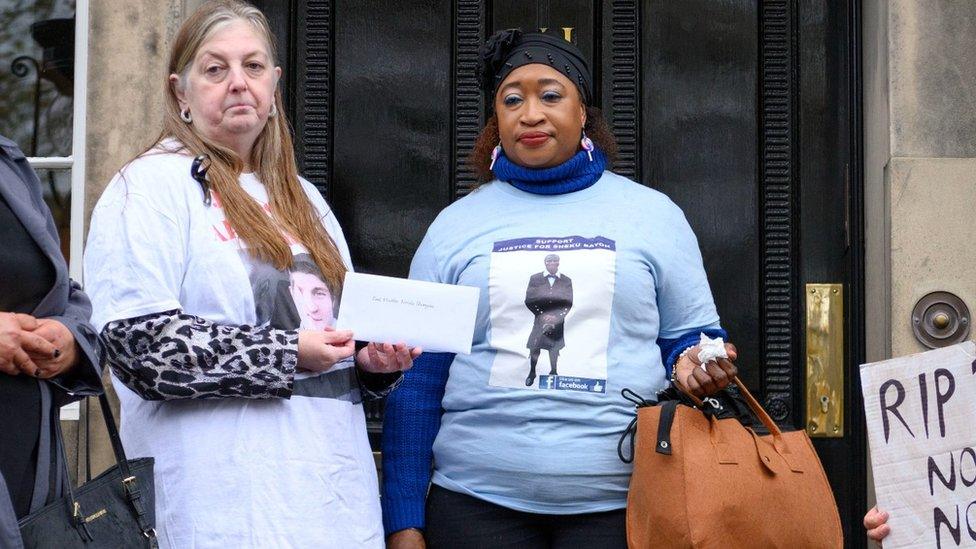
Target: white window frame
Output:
[(75, 162)]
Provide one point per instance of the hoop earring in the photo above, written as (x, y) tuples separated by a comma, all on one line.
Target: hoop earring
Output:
[(186, 116), (494, 156), (587, 145), (274, 111)]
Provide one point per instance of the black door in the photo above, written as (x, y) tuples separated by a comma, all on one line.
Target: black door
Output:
[(744, 112)]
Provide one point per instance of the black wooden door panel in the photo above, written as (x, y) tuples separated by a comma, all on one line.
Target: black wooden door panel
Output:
[(699, 129), (828, 240), (392, 134)]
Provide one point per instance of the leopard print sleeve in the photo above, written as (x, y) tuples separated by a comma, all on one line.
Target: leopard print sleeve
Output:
[(171, 356)]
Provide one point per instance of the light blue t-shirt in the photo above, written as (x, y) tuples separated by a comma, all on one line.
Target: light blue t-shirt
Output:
[(591, 279)]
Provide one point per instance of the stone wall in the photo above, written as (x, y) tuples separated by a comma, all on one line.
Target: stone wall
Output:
[(920, 163), (128, 46), (920, 154)]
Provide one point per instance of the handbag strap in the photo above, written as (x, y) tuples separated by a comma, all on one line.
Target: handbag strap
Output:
[(129, 481), (74, 507), (87, 439), (758, 409), (46, 446), (750, 401), (663, 445), (631, 430), (50, 446), (113, 436), (663, 441)]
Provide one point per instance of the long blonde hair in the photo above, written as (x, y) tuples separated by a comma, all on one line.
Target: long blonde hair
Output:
[(272, 157)]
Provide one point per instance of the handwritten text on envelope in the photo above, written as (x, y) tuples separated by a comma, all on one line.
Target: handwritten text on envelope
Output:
[(436, 317)]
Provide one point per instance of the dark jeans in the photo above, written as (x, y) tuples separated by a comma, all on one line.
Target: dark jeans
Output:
[(459, 521)]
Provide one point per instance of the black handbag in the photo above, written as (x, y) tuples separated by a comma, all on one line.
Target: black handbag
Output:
[(115, 509)]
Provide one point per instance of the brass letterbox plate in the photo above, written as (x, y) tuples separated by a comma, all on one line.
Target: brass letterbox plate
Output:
[(825, 360)]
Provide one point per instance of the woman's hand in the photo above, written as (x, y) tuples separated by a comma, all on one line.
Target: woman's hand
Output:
[(18, 344), (383, 358), (61, 337), (411, 538), (320, 350), (876, 523), (714, 377)]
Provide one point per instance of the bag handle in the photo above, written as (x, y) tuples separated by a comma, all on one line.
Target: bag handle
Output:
[(750, 401), (113, 435), (779, 443), (129, 482), (74, 508), (758, 409)]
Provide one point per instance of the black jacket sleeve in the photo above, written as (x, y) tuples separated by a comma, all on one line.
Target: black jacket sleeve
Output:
[(85, 378)]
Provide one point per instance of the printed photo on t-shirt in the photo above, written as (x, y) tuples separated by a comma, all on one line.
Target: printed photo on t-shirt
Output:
[(310, 294), (550, 301), (296, 298), (292, 299)]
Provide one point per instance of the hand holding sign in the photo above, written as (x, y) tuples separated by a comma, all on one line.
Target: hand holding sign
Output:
[(876, 524), (920, 413)]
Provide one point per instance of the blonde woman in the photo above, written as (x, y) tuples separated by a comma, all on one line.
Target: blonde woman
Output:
[(255, 423)]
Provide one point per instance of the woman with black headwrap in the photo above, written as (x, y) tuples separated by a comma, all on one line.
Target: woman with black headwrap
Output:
[(600, 272)]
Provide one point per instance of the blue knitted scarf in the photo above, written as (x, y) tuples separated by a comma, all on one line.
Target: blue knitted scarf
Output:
[(575, 174)]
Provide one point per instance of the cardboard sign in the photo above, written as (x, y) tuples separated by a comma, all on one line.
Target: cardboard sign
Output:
[(921, 419)]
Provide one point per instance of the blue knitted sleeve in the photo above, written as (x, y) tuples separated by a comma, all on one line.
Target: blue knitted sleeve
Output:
[(410, 424), (672, 348)]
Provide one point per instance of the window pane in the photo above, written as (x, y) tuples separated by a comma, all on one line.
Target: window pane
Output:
[(36, 74), (56, 186)]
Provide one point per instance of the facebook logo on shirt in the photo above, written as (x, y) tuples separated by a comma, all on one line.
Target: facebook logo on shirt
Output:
[(569, 383)]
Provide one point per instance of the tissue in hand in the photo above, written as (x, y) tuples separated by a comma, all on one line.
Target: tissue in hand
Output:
[(711, 349)]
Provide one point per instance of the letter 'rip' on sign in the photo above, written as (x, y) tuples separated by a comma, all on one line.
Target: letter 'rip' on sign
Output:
[(921, 418)]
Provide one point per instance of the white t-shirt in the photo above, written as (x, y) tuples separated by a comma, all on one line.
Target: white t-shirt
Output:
[(230, 472)]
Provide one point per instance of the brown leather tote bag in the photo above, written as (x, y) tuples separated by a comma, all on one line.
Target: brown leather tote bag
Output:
[(704, 482)]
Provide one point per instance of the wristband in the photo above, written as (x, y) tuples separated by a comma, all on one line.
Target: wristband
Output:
[(674, 367)]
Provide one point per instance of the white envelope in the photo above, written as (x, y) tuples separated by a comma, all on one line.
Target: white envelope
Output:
[(437, 317)]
